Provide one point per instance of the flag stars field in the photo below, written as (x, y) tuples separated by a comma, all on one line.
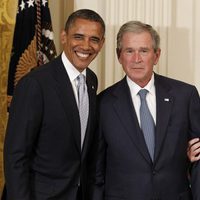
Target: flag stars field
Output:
[(30, 3), (44, 2), (22, 5)]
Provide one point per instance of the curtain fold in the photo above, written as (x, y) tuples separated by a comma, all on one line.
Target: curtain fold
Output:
[(7, 21)]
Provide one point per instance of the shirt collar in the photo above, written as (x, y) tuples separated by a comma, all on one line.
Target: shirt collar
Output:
[(136, 88), (71, 70)]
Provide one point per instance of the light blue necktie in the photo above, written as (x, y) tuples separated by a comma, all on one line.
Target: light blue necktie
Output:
[(147, 123), (83, 105)]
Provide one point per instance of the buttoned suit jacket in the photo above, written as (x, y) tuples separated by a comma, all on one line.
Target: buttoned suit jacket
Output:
[(43, 156), (124, 169)]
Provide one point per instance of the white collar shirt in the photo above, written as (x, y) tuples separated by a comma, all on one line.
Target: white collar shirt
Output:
[(150, 98), (73, 73)]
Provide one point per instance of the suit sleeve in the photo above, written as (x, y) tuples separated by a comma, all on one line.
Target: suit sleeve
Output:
[(194, 113), (22, 130), (98, 180)]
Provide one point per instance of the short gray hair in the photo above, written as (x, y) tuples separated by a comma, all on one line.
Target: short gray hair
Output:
[(138, 27)]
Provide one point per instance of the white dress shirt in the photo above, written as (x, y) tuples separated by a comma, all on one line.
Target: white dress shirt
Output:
[(73, 73), (150, 98)]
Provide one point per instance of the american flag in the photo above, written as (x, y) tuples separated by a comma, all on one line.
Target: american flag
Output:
[(33, 43)]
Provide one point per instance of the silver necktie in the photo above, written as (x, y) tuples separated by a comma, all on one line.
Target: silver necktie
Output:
[(83, 105), (147, 123)]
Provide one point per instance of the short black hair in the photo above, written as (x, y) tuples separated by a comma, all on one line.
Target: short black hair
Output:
[(85, 14)]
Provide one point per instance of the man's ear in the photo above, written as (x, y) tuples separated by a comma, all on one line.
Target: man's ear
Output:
[(102, 41), (118, 51), (63, 37), (157, 56)]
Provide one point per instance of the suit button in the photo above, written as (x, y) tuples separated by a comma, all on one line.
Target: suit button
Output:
[(154, 173)]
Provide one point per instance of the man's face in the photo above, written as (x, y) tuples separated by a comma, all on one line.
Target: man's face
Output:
[(82, 42), (137, 57)]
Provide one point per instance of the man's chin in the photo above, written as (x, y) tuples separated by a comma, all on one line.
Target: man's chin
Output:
[(81, 67)]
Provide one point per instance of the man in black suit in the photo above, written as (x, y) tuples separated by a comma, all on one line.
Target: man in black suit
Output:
[(128, 166), (45, 155)]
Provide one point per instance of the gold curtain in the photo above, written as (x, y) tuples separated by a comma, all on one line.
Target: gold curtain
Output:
[(7, 21)]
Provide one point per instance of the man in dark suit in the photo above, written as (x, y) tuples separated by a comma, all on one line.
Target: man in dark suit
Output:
[(128, 166), (46, 156)]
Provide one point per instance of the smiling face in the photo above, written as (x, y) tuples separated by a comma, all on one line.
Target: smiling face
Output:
[(138, 57), (82, 42)]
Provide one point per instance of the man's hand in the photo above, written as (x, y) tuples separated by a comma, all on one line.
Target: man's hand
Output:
[(193, 151)]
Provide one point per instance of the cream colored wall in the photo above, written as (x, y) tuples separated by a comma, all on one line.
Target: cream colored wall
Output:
[(60, 10), (183, 41)]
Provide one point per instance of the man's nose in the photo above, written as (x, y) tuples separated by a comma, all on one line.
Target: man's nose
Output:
[(86, 44), (137, 57)]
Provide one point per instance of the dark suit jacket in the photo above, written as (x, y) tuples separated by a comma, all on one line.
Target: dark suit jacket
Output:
[(43, 157), (124, 169)]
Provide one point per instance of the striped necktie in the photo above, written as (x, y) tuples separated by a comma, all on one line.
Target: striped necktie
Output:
[(83, 105), (147, 123)]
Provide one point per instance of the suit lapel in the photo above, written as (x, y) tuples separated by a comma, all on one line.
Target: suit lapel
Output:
[(164, 102), (126, 112), (66, 94)]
